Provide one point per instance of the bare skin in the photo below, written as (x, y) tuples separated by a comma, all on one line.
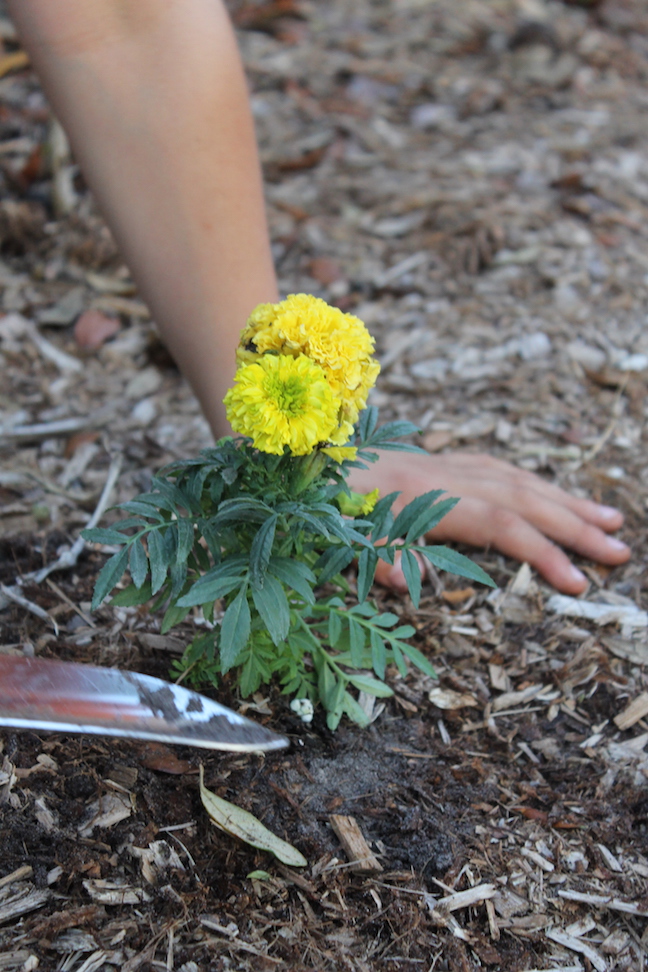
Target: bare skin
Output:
[(153, 96)]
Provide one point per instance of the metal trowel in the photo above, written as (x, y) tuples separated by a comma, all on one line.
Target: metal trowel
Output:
[(38, 693)]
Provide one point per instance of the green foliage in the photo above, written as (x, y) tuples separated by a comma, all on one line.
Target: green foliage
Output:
[(250, 539)]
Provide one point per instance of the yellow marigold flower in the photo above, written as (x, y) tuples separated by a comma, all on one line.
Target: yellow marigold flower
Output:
[(357, 504), (370, 500), (340, 453), (283, 401), (338, 342)]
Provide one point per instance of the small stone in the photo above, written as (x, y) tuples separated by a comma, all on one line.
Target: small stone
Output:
[(591, 358), (144, 383), (144, 412), (93, 328)]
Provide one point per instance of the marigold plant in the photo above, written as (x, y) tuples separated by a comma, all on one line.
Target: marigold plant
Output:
[(252, 539)]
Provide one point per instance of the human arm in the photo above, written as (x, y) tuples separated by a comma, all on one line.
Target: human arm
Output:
[(153, 96), (154, 100)]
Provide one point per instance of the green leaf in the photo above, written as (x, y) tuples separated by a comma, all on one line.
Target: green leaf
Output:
[(354, 710), (157, 557), (332, 562), (138, 563), (185, 539), (334, 628), (295, 575), (412, 574), (410, 514), (326, 685), (142, 509), (378, 654), (172, 616), (217, 582), (356, 641), (272, 605), (367, 562), (382, 516), (235, 629), (418, 658), (110, 573), (261, 550), (131, 596), (385, 620), (372, 686), (99, 535), (446, 559), (428, 519)]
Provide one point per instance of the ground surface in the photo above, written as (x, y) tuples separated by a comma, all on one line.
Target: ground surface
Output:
[(472, 180)]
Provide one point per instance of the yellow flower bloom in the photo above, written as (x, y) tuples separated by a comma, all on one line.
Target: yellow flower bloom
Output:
[(338, 342), (281, 401), (370, 500), (357, 504), (340, 453)]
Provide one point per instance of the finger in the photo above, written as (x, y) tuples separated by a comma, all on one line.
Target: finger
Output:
[(483, 524), (546, 511), (522, 484)]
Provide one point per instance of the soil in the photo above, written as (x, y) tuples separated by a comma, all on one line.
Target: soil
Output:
[(471, 180)]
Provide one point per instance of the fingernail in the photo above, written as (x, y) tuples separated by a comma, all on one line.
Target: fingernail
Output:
[(617, 544), (577, 575), (608, 512)]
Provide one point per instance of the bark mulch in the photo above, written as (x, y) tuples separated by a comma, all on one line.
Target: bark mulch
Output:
[(472, 180)]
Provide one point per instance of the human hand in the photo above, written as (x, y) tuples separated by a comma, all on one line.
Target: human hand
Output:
[(501, 506)]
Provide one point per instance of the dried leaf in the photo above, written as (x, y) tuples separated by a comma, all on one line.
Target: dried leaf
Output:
[(239, 823)]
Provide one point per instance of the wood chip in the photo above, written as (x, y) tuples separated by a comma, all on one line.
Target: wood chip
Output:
[(635, 711), (355, 846)]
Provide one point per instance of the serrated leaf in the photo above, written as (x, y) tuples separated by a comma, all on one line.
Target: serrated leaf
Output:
[(158, 561), (216, 583), (107, 536), (326, 685), (261, 550), (428, 519), (367, 562), (142, 509), (382, 516), (138, 563), (131, 596), (372, 686), (109, 575), (418, 658), (295, 575), (334, 628), (272, 605), (410, 513), (354, 710), (185, 539), (356, 641), (245, 826), (412, 573), (332, 562), (172, 616), (385, 620), (455, 563), (378, 654), (235, 629)]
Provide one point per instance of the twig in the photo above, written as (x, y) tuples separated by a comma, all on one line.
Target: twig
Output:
[(70, 557), (605, 901), (57, 590), (13, 595), (47, 430), (66, 560)]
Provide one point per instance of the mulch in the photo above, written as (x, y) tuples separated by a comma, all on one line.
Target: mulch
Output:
[(471, 180)]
